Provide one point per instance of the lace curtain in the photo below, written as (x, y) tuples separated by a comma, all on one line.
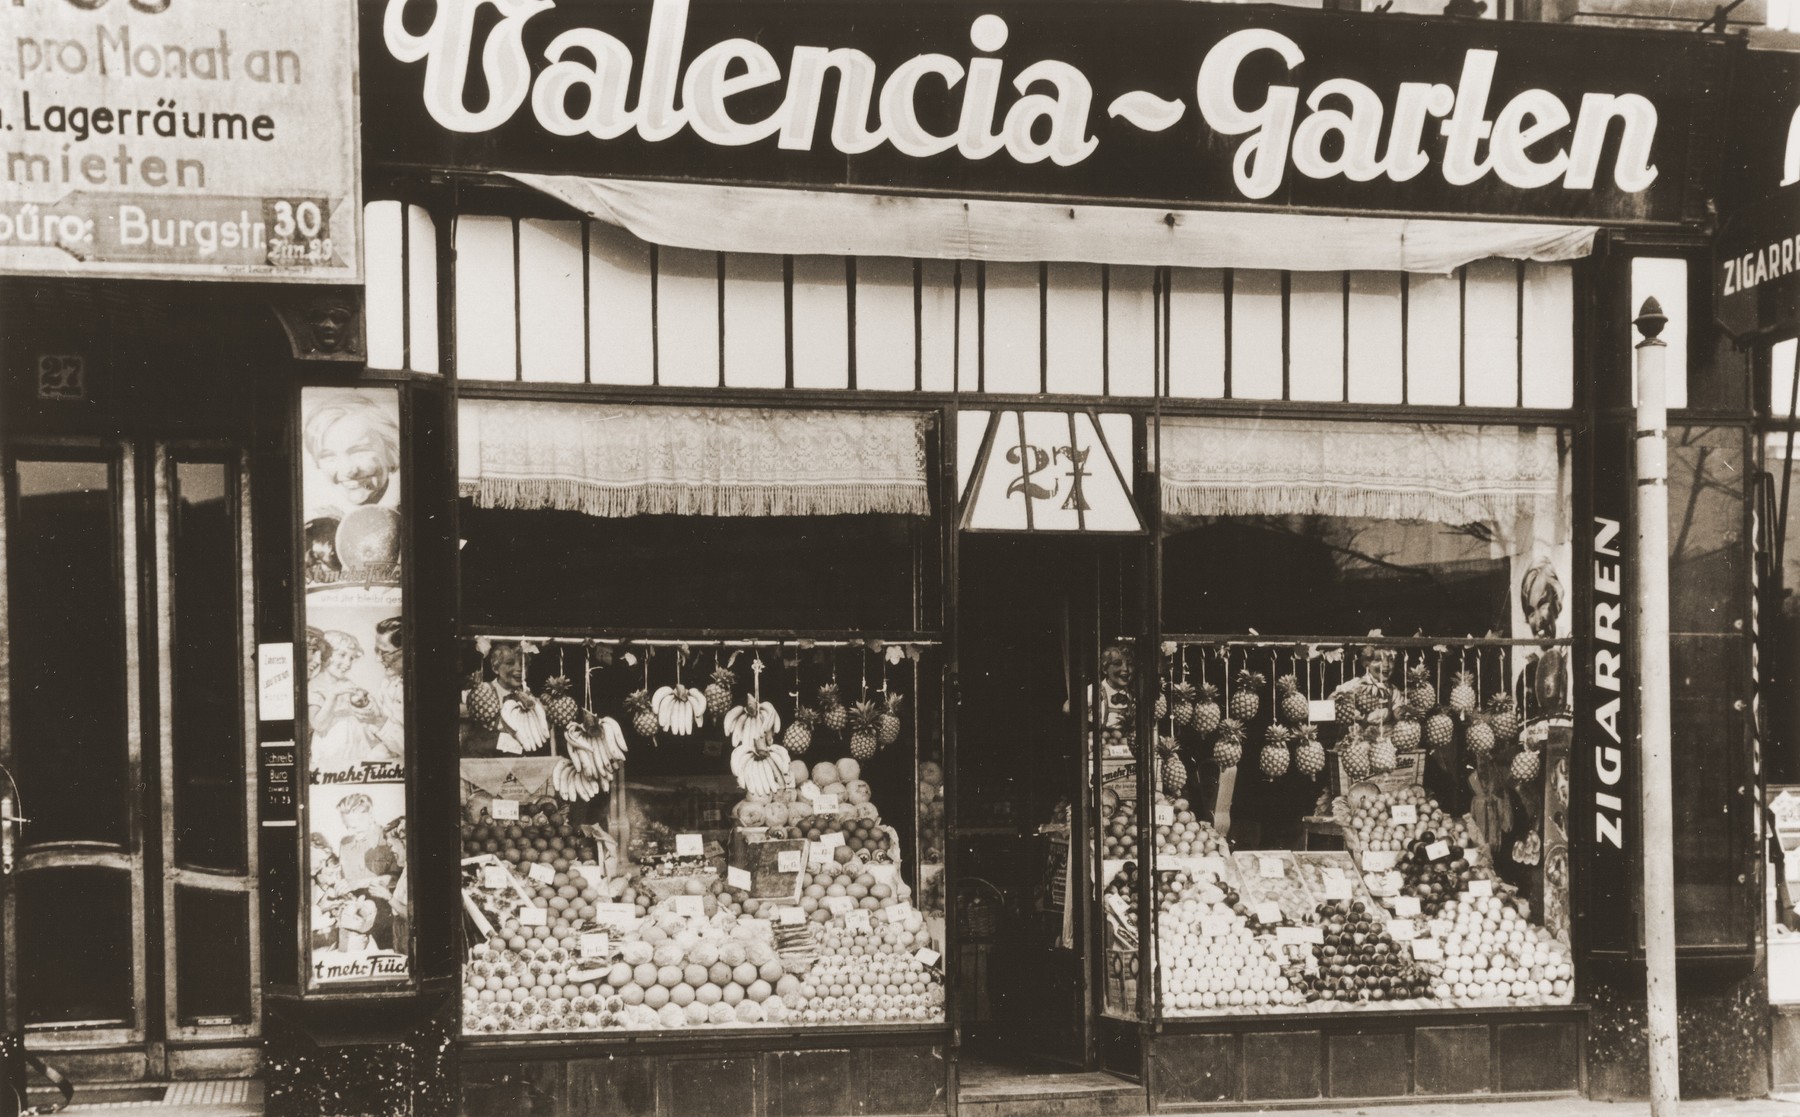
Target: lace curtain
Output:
[(1452, 474), (629, 460)]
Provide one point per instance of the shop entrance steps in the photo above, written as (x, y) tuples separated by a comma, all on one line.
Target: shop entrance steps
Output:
[(986, 1090)]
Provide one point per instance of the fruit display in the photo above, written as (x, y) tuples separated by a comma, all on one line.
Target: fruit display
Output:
[(1188, 835), (1358, 960), (1209, 957), (1373, 825), (1493, 953)]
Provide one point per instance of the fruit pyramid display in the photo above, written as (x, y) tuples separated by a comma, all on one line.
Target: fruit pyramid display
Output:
[(1493, 953), (1209, 958), (1369, 826), (1189, 835), (1359, 960)]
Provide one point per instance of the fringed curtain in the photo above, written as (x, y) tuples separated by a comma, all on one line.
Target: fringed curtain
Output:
[(1452, 474), (629, 460)]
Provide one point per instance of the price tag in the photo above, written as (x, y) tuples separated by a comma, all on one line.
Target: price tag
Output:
[(533, 916), (1472, 855), (1269, 868), (927, 956), (690, 907), (590, 874), (883, 874), (1403, 814), (1217, 926), (1481, 888), (826, 804), (1379, 862), (504, 810), (818, 853), (832, 840), (542, 873), (690, 845), (857, 920), (899, 913), (1268, 912), (791, 917), (1406, 906), (595, 945), (1427, 950), (1440, 928), (788, 861), (1314, 935), (1402, 930), (840, 905), (495, 876), (1321, 710), (622, 917), (1165, 814), (738, 878), (1337, 888), (1437, 851)]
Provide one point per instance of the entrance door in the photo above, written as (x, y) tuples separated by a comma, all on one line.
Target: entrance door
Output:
[(130, 888), (1033, 613)]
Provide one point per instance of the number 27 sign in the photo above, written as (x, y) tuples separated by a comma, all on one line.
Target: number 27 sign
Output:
[(62, 376), (1049, 471)]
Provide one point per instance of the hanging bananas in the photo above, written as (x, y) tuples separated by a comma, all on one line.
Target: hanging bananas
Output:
[(523, 718), (760, 765), (751, 722), (573, 784), (678, 710)]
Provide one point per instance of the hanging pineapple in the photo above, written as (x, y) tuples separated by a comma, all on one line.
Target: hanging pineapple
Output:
[(718, 692), (1526, 766), (1291, 705), (1504, 718), (865, 731), (887, 721), (1407, 731), (1170, 767), (1182, 704), (1480, 737), (1343, 705), (643, 718), (1309, 754), (1228, 748), (1354, 753), (799, 734), (1462, 695), (832, 714), (483, 702), (1206, 711), (559, 705), (1383, 757), (1246, 701), (1274, 757), (1439, 730), (1420, 694)]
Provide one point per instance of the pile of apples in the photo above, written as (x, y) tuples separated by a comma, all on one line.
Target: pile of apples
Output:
[(1209, 957), (1190, 835), (542, 832), (872, 976), (1119, 832), (1494, 953), (1359, 960), (1436, 883), (1371, 821)]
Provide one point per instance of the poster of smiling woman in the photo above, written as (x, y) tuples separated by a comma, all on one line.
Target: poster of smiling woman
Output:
[(350, 490)]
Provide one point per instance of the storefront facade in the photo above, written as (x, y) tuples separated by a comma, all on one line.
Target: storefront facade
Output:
[(1082, 438)]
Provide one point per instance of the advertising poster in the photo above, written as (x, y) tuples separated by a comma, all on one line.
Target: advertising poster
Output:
[(180, 140), (353, 664)]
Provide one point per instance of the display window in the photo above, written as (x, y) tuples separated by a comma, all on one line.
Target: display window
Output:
[(1350, 787)]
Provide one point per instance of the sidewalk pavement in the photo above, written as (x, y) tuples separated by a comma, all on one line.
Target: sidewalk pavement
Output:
[(1781, 1105)]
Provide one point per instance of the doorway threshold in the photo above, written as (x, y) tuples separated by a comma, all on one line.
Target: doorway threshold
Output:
[(228, 1097), (994, 1088)]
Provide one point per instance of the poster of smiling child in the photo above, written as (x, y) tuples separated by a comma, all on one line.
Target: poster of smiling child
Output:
[(350, 488), (360, 916)]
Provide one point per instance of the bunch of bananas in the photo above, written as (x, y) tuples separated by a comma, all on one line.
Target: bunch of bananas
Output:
[(760, 765), (678, 709), (596, 750), (524, 718)]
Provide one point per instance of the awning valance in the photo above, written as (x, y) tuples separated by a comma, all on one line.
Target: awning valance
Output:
[(626, 460), (829, 222), (1447, 474)]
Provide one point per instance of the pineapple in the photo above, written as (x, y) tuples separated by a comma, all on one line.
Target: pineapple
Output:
[(1309, 754), (887, 721), (559, 705), (1462, 695), (1293, 706), (1228, 749), (1505, 719), (1174, 773), (1525, 766), (643, 718), (864, 731), (1344, 705), (1206, 710), (1246, 701), (718, 693), (1354, 753), (832, 714), (483, 702), (798, 737), (1162, 704), (1439, 730), (1371, 696), (1182, 704), (1382, 755), (1480, 738), (1407, 730), (1274, 757), (1420, 693)]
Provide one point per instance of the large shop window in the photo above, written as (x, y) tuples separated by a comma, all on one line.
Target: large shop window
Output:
[(749, 518), (1362, 725), (699, 827)]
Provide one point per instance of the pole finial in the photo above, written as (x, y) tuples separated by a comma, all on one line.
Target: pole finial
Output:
[(1651, 319)]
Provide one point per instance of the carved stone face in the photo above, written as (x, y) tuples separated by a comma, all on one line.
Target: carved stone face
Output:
[(330, 326)]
